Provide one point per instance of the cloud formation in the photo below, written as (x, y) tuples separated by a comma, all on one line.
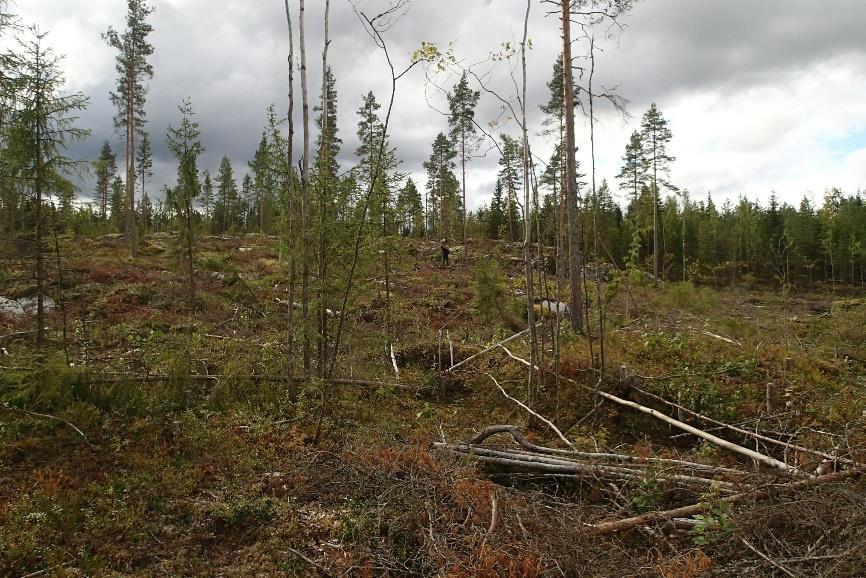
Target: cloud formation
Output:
[(761, 96)]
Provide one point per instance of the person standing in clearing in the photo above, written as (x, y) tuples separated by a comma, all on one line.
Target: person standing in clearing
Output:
[(443, 244)]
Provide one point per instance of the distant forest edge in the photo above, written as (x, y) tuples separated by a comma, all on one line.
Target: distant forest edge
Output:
[(662, 229)]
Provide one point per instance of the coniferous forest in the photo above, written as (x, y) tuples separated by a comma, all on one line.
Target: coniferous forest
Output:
[(512, 355)]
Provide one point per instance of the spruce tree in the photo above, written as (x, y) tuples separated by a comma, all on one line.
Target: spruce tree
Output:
[(134, 70), (184, 142), (105, 168), (39, 125), (207, 199), (118, 203), (262, 183), (144, 167), (510, 171), (410, 211), (462, 102), (496, 213), (248, 203), (373, 165), (633, 174), (227, 192)]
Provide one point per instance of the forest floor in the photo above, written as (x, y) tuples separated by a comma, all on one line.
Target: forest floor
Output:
[(129, 466)]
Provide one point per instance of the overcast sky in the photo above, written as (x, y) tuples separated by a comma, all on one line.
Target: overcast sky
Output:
[(761, 95)]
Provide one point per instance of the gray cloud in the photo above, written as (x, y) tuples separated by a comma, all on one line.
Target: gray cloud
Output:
[(229, 57)]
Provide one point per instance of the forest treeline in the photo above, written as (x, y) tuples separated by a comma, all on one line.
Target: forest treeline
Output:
[(661, 228)]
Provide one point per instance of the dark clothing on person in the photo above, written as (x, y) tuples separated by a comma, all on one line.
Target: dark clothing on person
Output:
[(445, 253)]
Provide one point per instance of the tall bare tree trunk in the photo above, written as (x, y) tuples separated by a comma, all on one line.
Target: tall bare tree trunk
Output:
[(657, 256), (38, 184), (130, 161), (189, 253), (574, 255), (305, 199), (527, 219), (463, 169), (290, 341), (322, 337), (595, 210)]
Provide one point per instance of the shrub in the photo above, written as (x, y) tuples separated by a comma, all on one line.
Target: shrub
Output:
[(684, 295), (489, 288)]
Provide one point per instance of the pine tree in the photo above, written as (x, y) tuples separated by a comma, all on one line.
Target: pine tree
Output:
[(39, 126), (185, 144), (133, 71), (105, 168), (442, 186), (656, 136), (462, 102)]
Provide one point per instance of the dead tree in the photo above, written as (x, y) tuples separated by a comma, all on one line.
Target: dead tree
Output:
[(305, 199), (290, 183), (375, 27), (322, 318), (575, 258), (527, 215)]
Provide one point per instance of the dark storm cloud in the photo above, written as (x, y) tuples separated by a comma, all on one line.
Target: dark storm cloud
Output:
[(229, 57)]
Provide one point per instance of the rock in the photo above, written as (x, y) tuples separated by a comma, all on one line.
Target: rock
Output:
[(554, 306), (24, 306), (29, 304), (10, 307)]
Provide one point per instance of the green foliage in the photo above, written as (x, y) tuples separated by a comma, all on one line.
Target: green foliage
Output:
[(649, 494), (685, 295), (489, 288), (714, 526)]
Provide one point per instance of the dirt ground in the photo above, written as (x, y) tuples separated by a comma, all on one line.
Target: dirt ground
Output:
[(116, 461)]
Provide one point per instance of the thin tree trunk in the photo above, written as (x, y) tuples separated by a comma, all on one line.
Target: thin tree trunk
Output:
[(290, 328), (657, 257), (574, 264), (527, 219), (305, 199), (463, 168), (130, 160), (189, 254), (38, 184), (322, 337), (684, 239), (60, 297), (595, 209)]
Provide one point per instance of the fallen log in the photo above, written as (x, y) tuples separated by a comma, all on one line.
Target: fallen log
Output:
[(693, 509), (521, 441), (752, 434), (757, 456), (486, 350), (544, 464), (260, 378)]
